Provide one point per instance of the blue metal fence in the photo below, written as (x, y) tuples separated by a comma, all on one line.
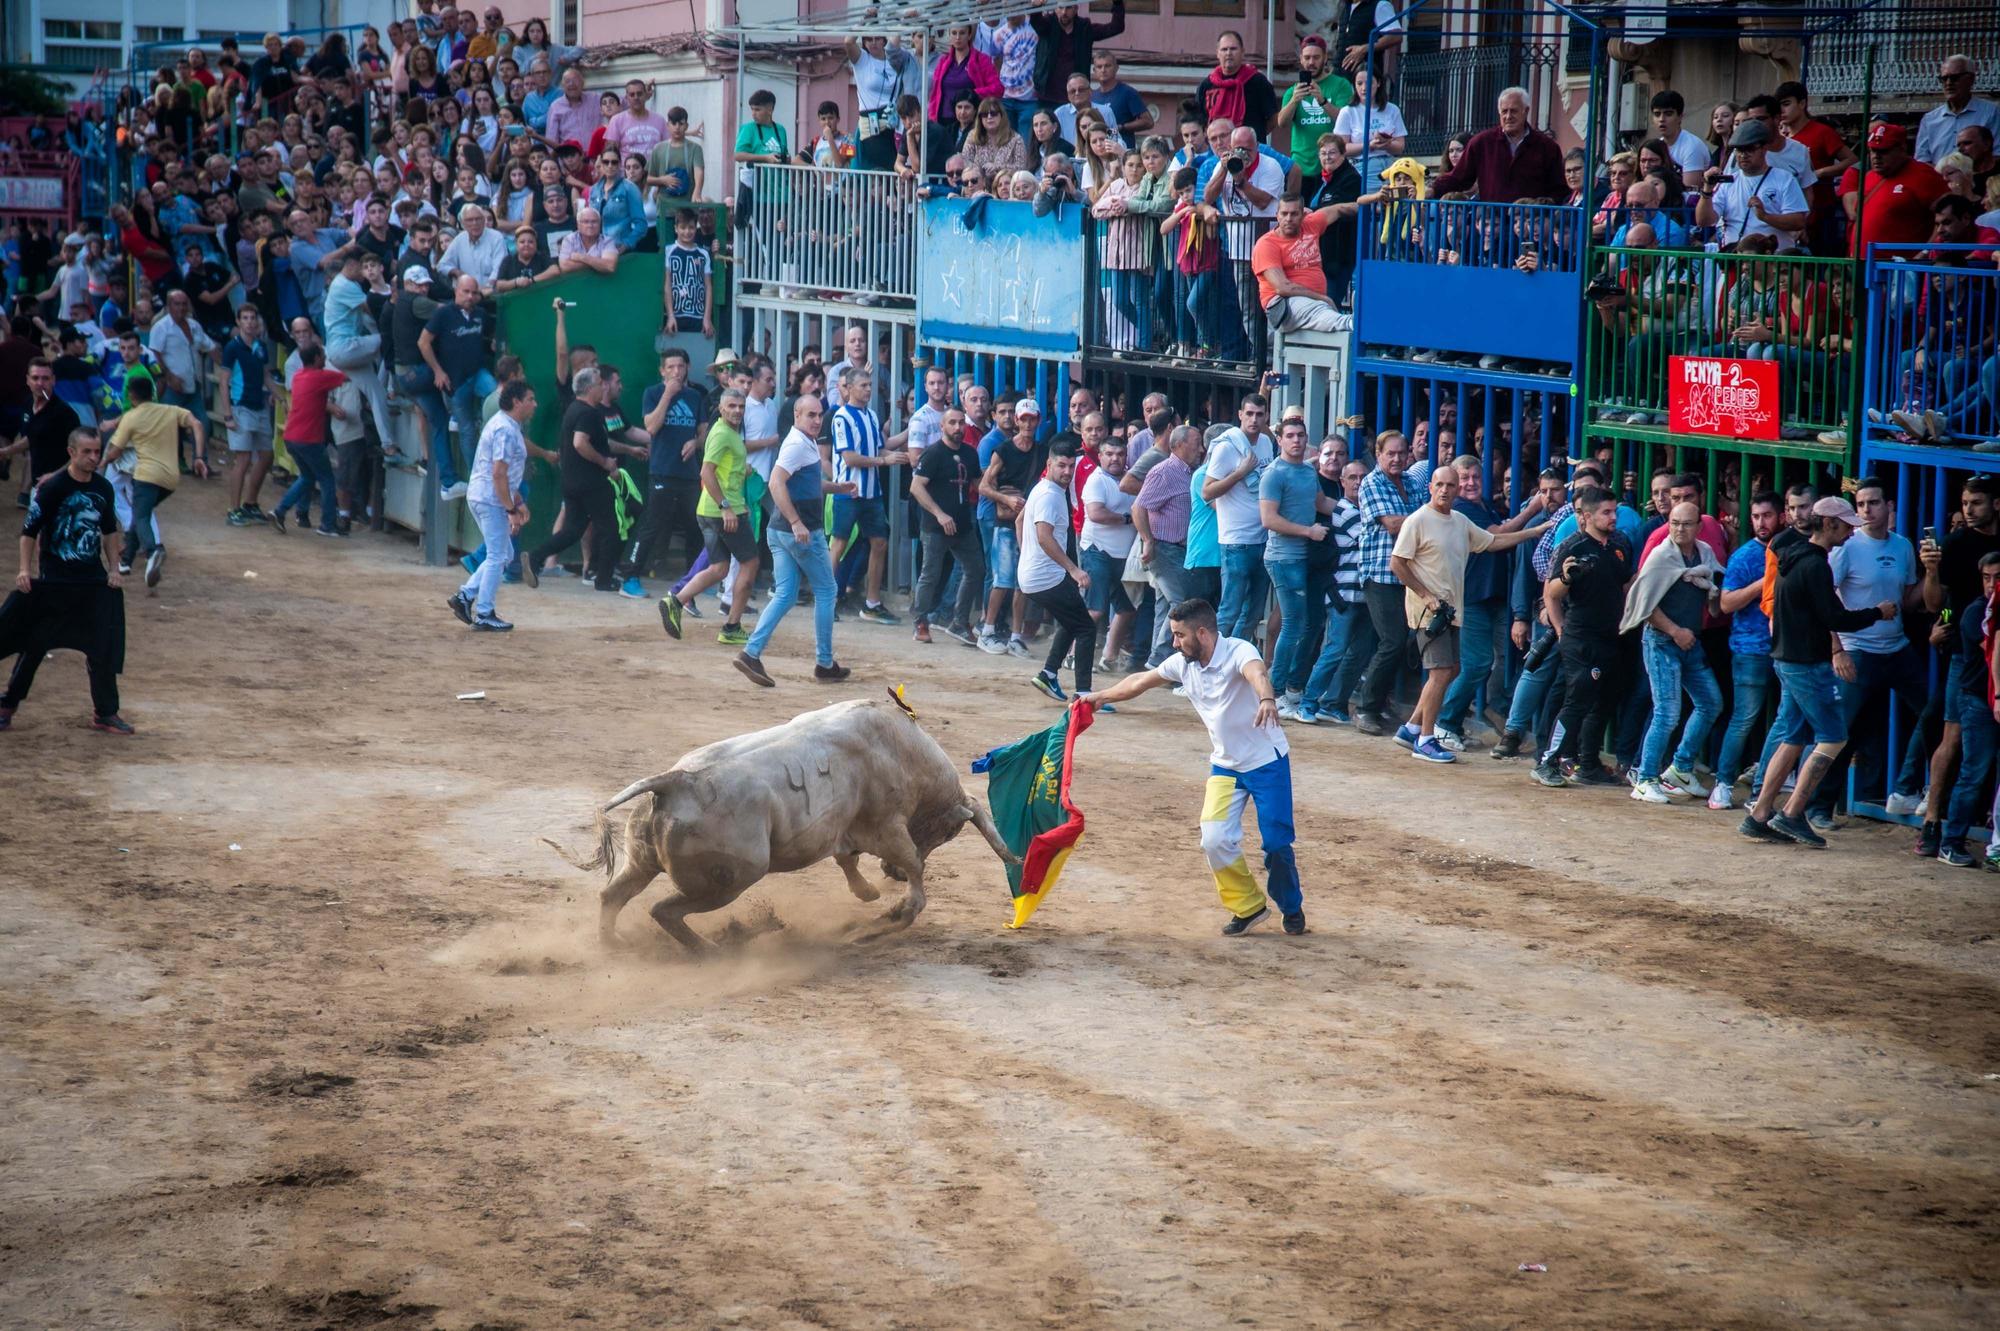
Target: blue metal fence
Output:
[(1933, 366)]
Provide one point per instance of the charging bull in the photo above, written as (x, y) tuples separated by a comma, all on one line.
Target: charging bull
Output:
[(853, 779)]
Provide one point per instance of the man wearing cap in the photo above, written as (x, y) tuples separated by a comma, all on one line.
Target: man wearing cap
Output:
[(1757, 200), (1893, 205), (1805, 614), (1937, 132), (1311, 105)]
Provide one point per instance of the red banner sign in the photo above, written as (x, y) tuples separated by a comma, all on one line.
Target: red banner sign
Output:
[(1722, 395)]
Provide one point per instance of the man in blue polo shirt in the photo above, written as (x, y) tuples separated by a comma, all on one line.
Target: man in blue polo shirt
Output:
[(858, 459)]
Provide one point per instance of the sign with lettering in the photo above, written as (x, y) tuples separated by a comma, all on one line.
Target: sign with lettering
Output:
[(31, 194), (1722, 395), (997, 278)]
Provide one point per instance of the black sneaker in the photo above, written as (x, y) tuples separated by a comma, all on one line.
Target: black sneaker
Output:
[(1295, 924), (833, 674), (1799, 830), (670, 615), (278, 521), (1242, 924), (1927, 839), (112, 725), (1548, 774), (1509, 745), (1956, 856), (1757, 831), (461, 607), (6, 713), (1597, 774), (491, 623), (1371, 723)]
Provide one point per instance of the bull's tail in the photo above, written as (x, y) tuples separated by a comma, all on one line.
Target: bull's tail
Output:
[(606, 855)]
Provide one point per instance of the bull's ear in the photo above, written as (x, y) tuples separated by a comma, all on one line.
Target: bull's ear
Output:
[(896, 696)]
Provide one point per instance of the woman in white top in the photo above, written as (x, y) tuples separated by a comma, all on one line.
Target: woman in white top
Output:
[(484, 121), (1386, 132)]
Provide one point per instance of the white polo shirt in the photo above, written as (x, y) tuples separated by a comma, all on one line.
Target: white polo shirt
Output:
[(1227, 705)]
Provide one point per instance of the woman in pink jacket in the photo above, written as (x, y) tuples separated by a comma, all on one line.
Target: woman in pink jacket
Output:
[(960, 68)]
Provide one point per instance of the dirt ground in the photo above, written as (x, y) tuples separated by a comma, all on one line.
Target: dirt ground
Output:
[(304, 1028)]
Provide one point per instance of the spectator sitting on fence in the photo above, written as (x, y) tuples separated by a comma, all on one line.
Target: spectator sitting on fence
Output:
[(1649, 306), (1937, 132), (1291, 281), (587, 247), (1509, 162)]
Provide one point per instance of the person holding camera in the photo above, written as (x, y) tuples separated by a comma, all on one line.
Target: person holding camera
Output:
[(1429, 559), (1756, 201)]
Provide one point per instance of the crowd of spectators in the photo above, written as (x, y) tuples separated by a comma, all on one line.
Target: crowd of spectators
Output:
[(318, 236)]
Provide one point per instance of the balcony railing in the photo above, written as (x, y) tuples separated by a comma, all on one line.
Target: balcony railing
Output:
[(1651, 305), (1911, 38), (843, 233), (1143, 307), (1476, 279), (1933, 374)]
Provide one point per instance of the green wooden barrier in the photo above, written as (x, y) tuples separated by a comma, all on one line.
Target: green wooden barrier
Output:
[(619, 315)]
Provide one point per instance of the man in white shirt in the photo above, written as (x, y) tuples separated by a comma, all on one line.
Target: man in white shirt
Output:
[(183, 350), (1784, 154), (1252, 191), (1250, 759), (1937, 132), (494, 494), (1690, 154), (477, 251), (1757, 200), (1049, 575), (1235, 463)]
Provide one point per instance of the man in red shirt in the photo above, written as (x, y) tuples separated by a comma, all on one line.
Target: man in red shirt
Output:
[(1291, 284), (1830, 158), (1893, 207)]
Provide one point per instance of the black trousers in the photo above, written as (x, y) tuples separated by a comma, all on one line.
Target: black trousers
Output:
[(592, 508), (1384, 602), (669, 513), (1587, 663), (85, 617), (1074, 628)]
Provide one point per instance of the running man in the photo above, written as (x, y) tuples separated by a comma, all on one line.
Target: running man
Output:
[(1231, 691), (151, 432)]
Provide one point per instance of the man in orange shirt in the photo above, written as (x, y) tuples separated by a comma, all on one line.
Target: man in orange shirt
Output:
[(1291, 285), (1893, 206)]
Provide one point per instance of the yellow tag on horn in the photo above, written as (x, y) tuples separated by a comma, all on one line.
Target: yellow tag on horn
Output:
[(896, 694)]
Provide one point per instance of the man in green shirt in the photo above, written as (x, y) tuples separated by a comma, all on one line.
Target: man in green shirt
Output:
[(1312, 103), (726, 530)]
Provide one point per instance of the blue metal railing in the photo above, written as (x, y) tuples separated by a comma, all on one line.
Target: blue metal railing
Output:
[(1933, 354), (1503, 279)]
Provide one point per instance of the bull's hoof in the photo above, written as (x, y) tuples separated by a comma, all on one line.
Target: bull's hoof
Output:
[(893, 872), (864, 891), (609, 940)]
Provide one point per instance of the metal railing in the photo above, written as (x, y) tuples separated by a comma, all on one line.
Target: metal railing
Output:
[(1649, 306), (1472, 279), (1441, 92), (1911, 38), (1142, 306), (1933, 362), (835, 231)]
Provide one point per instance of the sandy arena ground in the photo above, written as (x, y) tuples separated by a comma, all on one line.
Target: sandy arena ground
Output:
[(371, 1068)]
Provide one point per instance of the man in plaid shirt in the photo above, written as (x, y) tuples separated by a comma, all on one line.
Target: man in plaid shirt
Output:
[(1387, 497)]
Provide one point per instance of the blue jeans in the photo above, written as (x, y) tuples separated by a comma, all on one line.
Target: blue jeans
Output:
[(1332, 654), (1672, 668), (1751, 673), (1021, 110), (1810, 709), (1292, 581), (1894, 677), (315, 470), (1531, 690), (484, 584), (1978, 737), (1245, 588), (422, 389), (1480, 624), (792, 559), (466, 401)]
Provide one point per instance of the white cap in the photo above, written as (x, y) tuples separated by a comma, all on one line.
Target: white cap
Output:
[(417, 273), (75, 238), (1027, 406)]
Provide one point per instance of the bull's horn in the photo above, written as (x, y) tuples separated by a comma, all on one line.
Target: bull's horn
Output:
[(896, 696)]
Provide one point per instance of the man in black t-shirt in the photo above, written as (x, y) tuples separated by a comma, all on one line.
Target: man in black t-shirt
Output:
[(585, 462), (73, 600), (526, 263), (1585, 598), (942, 485), (45, 435)]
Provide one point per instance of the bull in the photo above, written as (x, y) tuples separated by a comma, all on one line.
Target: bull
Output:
[(853, 779)]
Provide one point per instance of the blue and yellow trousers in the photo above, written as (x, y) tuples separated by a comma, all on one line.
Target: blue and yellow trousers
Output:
[(1222, 836)]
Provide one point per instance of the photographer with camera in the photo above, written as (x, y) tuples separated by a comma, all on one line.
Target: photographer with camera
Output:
[(1429, 559)]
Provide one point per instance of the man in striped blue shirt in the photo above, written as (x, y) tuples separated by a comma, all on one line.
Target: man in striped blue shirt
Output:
[(1387, 497), (1334, 674), (859, 456)]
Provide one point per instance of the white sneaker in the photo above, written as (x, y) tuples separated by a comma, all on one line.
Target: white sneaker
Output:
[(1903, 805), (456, 490), (1457, 742), (1719, 798), (1651, 792), (1286, 711), (1018, 647), (993, 644), (1681, 782)]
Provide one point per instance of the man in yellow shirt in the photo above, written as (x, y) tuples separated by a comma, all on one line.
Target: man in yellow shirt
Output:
[(724, 519), (151, 431)]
